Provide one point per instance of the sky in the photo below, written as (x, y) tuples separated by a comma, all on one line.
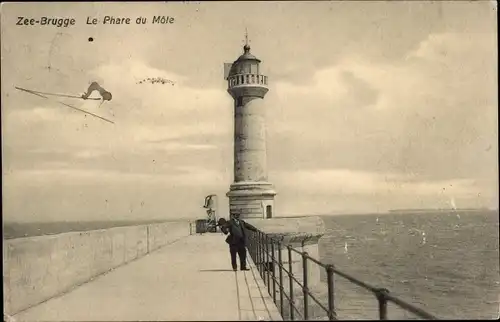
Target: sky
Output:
[(372, 106)]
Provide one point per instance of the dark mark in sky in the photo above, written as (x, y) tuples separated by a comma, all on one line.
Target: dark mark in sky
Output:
[(106, 96), (156, 80)]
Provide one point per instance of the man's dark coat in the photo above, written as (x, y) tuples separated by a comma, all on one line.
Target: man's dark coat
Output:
[(237, 235)]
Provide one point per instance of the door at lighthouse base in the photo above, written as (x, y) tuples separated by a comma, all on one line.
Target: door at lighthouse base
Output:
[(269, 211)]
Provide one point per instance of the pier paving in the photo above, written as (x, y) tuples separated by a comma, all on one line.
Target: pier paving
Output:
[(189, 280)]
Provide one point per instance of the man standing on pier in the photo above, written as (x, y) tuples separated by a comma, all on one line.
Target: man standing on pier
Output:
[(237, 240)]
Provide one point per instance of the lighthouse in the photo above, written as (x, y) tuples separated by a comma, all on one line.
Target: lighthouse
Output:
[(250, 194)]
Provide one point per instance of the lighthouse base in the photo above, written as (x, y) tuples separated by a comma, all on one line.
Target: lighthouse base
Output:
[(251, 199)]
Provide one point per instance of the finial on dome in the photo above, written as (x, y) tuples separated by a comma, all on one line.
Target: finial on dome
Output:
[(246, 48)]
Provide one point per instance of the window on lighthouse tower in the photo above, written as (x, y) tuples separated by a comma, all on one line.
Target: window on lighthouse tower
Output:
[(254, 68)]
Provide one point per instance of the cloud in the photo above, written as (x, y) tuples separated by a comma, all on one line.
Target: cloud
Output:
[(430, 118), (349, 182), (180, 147), (143, 114), (62, 193), (100, 195), (181, 175), (123, 77), (396, 134), (88, 154), (343, 191), (169, 144), (440, 47)]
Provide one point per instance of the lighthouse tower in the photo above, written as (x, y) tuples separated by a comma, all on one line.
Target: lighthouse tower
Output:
[(250, 195)]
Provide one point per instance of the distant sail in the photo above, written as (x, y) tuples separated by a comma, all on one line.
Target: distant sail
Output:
[(452, 203)]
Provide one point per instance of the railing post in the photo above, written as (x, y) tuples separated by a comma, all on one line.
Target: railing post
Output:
[(280, 260), (251, 244), (331, 293), (290, 275), (257, 250), (272, 267), (260, 252), (263, 251), (267, 265), (382, 302), (305, 289), (254, 246)]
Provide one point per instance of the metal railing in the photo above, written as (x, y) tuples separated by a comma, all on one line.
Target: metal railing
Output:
[(247, 79), (262, 248)]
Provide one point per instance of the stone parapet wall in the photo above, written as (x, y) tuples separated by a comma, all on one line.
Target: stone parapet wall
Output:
[(36, 269)]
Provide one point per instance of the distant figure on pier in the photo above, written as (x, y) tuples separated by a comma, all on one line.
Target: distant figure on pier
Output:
[(237, 239)]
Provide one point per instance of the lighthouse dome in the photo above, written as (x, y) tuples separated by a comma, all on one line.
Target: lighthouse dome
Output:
[(245, 64), (247, 55)]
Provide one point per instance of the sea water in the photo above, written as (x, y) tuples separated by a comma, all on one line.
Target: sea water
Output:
[(446, 263)]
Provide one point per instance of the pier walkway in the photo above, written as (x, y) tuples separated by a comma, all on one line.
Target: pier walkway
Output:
[(190, 279)]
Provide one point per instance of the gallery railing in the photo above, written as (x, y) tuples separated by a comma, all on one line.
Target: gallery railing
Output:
[(262, 248)]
